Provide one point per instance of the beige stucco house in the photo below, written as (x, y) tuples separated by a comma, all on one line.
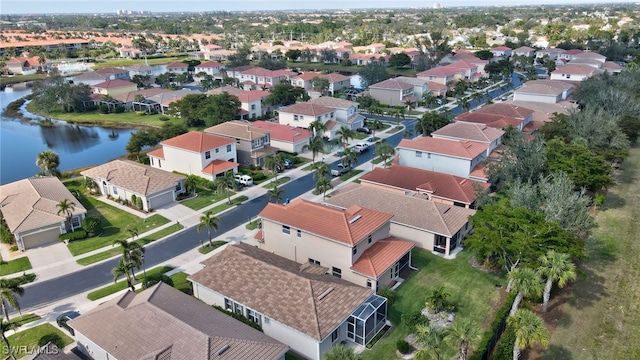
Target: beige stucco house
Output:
[(286, 138), (30, 209), (114, 87), (252, 143), (393, 92)]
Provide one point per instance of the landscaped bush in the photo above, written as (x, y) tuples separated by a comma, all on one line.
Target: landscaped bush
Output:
[(104, 109), (239, 317), (141, 113), (259, 176), (501, 315), (403, 346), (252, 167), (414, 318), (504, 347), (133, 199), (118, 110), (153, 279), (75, 235), (92, 225), (138, 203), (6, 237)]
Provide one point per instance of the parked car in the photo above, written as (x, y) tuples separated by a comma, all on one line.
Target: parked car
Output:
[(288, 164), (341, 169), (244, 180), (361, 147), (364, 130), (62, 319)]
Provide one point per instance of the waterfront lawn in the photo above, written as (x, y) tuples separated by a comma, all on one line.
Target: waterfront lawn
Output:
[(474, 294), (122, 284), (205, 198), (29, 340), (14, 266), (8, 80), (125, 119), (126, 62)]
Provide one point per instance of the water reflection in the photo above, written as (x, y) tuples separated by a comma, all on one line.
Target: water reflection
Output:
[(69, 138)]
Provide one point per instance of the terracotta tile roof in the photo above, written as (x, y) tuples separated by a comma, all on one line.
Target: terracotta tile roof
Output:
[(112, 84), (347, 226), (439, 71), (524, 49), (466, 131), (462, 149), (157, 153), (392, 84), (218, 166), (544, 87), (331, 124), (264, 151), (111, 71), (479, 172), (335, 77), (90, 75), (572, 52), (32, 61), (135, 177), (33, 203), (237, 129), (575, 70), (493, 120), (96, 96), (411, 210), (163, 321), (411, 80), (306, 108), (610, 65), (308, 76), (439, 185), (253, 95), (511, 110), (590, 55), (281, 289), (436, 86), (197, 141), (380, 256), (501, 48), (331, 102), (283, 132), (209, 64)]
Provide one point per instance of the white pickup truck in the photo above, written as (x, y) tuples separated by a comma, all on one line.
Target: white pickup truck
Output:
[(361, 147)]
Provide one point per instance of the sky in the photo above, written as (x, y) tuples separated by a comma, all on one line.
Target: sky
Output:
[(110, 6)]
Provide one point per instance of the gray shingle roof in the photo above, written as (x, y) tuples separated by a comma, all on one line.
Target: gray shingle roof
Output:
[(139, 178)]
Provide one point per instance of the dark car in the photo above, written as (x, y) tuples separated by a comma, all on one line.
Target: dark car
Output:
[(363, 130), (64, 317)]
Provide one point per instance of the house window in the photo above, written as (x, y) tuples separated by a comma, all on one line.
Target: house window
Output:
[(159, 163), (229, 148), (151, 161), (228, 304), (314, 262), (295, 117), (336, 272), (369, 284), (319, 118), (301, 117), (253, 316), (369, 239), (115, 190), (75, 221), (299, 232), (334, 336), (217, 150), (418, 154), (355, 249), (238, 309), (178, 186), (207, 154), (253, 106), (332, 115), (286, 229), (266, 320), (428, 155)]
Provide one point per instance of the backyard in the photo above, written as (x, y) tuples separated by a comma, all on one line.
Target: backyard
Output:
[(31, 339), (476, 296)]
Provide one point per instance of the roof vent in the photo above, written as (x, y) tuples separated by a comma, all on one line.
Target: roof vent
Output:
[(354, 219), (446, 211), (222, 350), (325, 293), (468, 145)]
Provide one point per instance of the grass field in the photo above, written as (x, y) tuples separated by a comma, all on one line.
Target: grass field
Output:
[(205, 198), (7, 80), (348, 176), (125, 62), (207, 249), (281, 180), (181, 283), (225, 205), (28, 340), (122, 284), (473, 292), (24, 319), (14, 266), (601, 319)]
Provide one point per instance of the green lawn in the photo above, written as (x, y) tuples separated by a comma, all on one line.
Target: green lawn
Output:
[(126, 62), (181, 283), (205, 198), (473, 292), (29, 340), (354, 69), (252, 225), (348, 176), (281, 180), (24, 319), (122, 284), (14, 266), (225, 206), (395, 130), (115, 251), (7, 80), (301, 162), (207, 249)]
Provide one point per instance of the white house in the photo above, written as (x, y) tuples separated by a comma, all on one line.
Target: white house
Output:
[(284, 137), (543, 91), (573, 72), (346, 112), (479, 133), (210, 67), (303, 114), (393, 92), (501, 51)]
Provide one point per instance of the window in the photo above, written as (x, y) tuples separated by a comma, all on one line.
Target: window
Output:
[(334, 336), (266, 320), (355, 249), (418, 154), (178, 186), (159, 163), (369, 239), (301, 117), (336, 272), (151, 161), (332, 115), (299, 232), (228, 304), (229, 148), (217, 150), (286, 229), (428, 155), (238, 309), (75, 221), (253, 316), (207, 154), (319, 118), (253, 106), (115, 190), (295, 117), (369, 283), (314, 262)]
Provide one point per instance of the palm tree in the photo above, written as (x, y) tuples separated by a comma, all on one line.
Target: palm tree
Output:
[(437, 300), (48, 161), (317, 127), (344, 134), (322, 186), (191, 183), (432, 341), (529, 329), (322, 170), (464, 334), (89, 184), (386, 152), (10, 289), (274, 162), (66, 207), (464, 103), (556, 267), (375, 125), (527, 283), (123, 268), (316, 146), (410, 105), (4, 327), (132, 252), (341, 352), (275, 194), (210, 221), (407, 134), (226, 183), (477, 97), (349, 158)]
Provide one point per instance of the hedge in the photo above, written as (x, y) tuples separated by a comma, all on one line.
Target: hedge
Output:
[(491, 337), (76, 235), (239, 317)]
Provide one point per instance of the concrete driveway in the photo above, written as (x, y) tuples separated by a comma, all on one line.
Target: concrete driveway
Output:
[(177, 212), (52, 261)]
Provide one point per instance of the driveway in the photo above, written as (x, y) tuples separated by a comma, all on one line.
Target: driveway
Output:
[(176, 212), (51, 261)]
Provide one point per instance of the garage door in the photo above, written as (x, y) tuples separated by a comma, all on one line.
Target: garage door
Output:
[(41, 239), (161, 199)]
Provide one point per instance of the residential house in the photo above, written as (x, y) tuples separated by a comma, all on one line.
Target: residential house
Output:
[(493, 120), (433, 226), (437, 187), (168, 324), (440, 74), (165, 99), (140, 69), (452, 157), (257, 77), (24, 65), (90, 78), (524, 51), (569, 55), (285, 137), (437, 89), (130, 100), (420, 86), (300, 305), (196, 153), (590, 55), (337, 82), (178, 67), (114, 87), (303, 114), (393, 92), (30, 209), (129, 52), (346, 112), (480, 133), (112, 73), (501, 52), (121, 179), (544, 91), (510, 110), (573, 72), (305, 80), (210, 68), (354, 243), (253, 103), (550, 53), (253, 144)]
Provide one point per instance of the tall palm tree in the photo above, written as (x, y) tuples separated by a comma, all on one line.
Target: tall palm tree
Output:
[(433, 341), (322, 186), (375, 125), (527, 283), (123, 268), (48, 161), (464, 103), (10, 289), (464, 334), (407, 134), (132, 252), (316, 146), (226, 183), (556, 267), (275, 194), (341, 352), (66, 207), (349, 158), (274, 162), (529, 329), (209, 221), (322, 170), (317, 127), (386, 152), (344, 134), (4, 327)]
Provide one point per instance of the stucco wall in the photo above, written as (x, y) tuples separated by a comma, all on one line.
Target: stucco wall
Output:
[(88, 347), (438, 163), (547, 99), (423, 239), (387, 96)]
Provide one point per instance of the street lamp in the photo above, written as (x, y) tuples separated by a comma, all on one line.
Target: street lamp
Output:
[(144, 269)]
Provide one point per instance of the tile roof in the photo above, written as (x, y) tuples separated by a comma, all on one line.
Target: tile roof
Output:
[(524, 49), (380, 256), (501, 48), (493, 120), (157, 153), (417, 212), (460, 149), (111, 84), (33, 203), (466, 131), (139, 67), (231, 90), (439, 185), (347, 226), (111, 71), (281, 289), (411, 80), (253, 95), (514, 111), (590, 55), (32, 61), (544, 87), (575, 69), (169, 96), (197, 141), (392, 84), (237, 129), (331, 102), (335, 77), (479, 172), (178, 64), (90, 75), (165, 323), (209, 64), (133, 176), (436, 86), (438, 71), (218, 166), (306, 108), (147, 93), (283, 132), (308, 76)]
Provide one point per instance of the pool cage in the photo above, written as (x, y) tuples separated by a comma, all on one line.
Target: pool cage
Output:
[(367, 320)]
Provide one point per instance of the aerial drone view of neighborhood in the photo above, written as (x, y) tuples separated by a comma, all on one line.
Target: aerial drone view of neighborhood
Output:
[(332, 181)]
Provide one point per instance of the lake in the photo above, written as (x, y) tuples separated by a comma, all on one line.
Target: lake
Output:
[(77, 146)]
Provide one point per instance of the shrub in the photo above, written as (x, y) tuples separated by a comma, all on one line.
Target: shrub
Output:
[(389, 294), (498, 320), (414, 318), (92, 225), (118, 110), (504, 347), (259, 176), (13, 248), (252, 167), (104, 109), (51, 338), (91, 107), (75, 235), (153, 279), (163, 118), (133, 200), (138, 203), (239, 317), (141, 113), (403, 346)]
